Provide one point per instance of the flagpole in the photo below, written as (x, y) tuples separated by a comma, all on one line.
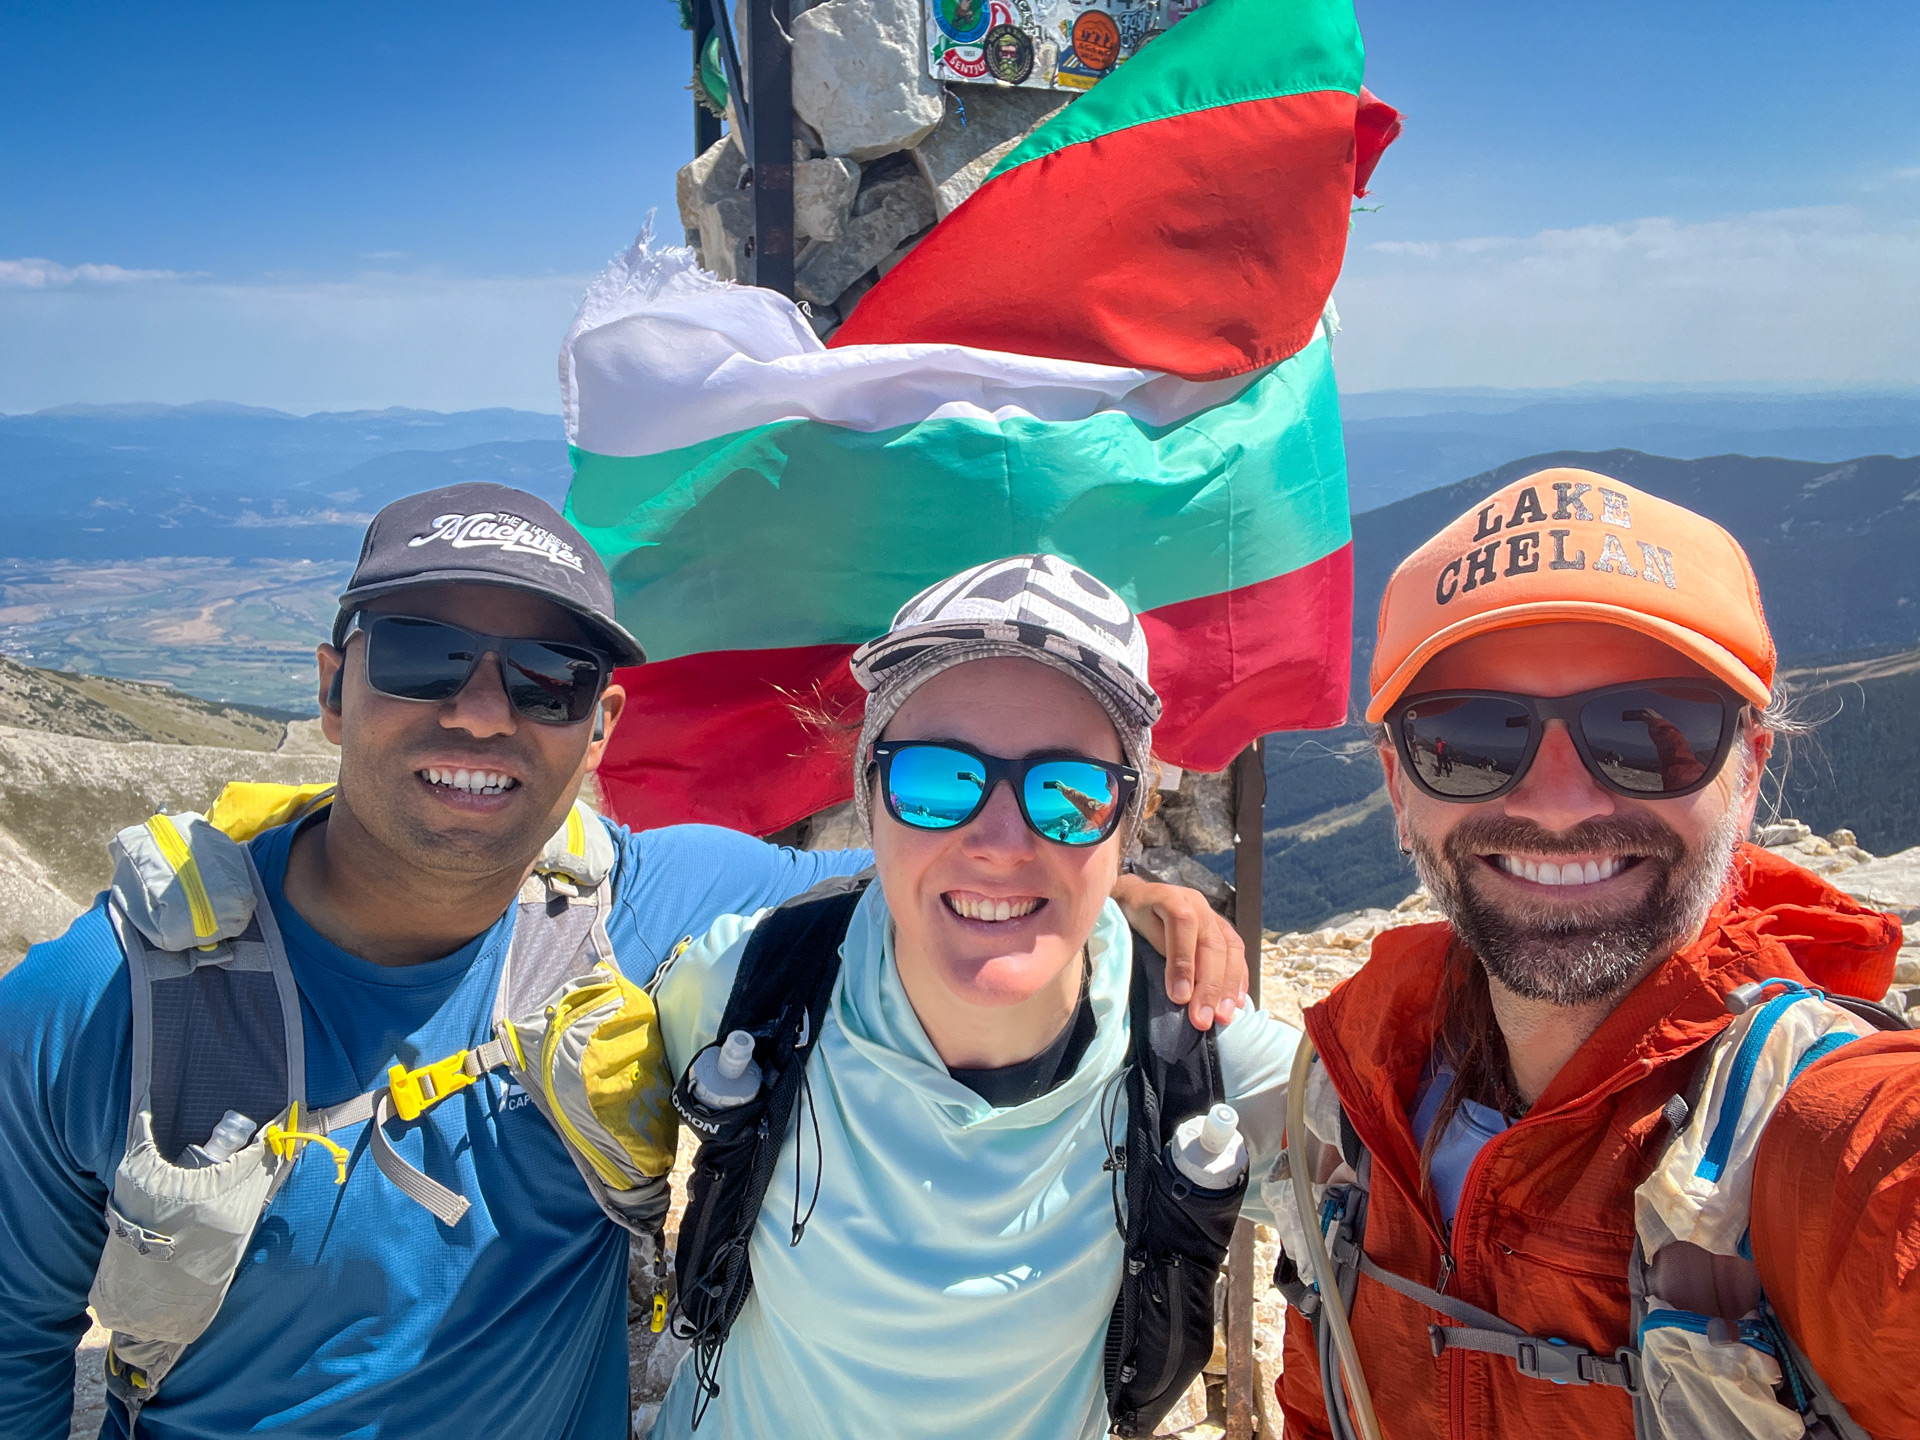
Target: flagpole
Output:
[(763, 116), (1249, 806)]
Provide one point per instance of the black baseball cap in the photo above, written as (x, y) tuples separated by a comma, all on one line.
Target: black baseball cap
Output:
[(484, 534)]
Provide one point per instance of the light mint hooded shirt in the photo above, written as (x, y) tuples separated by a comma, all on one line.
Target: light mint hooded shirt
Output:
[(961, 1262)]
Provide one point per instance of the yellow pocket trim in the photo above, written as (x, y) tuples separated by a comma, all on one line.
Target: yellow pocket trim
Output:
[(174, 848)]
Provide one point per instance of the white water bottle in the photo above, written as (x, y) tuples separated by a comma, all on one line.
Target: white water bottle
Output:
[(1208, 1151), (727, 1077), (229, 1136)]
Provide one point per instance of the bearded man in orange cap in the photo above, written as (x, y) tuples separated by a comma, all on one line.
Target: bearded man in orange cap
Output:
[(1619, 1149)]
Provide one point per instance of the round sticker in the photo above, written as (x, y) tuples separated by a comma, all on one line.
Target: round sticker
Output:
[(963, 20), (1009, 54), (1096, 40)]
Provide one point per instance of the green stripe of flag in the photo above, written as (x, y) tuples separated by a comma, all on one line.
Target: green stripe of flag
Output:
[(804, 533), (1278, 47)]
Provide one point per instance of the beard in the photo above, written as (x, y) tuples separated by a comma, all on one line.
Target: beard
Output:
[(1582, 954)]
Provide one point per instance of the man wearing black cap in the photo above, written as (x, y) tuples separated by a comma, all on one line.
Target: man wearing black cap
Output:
[(468, 685)]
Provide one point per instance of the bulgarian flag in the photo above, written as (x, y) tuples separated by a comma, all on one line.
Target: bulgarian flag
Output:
[(1114, 351)]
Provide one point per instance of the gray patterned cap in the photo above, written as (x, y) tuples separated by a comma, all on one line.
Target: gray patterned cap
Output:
[(1036, 607)]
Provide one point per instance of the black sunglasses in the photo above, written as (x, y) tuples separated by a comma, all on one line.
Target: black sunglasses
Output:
[(548, 681), (1652, 739), (942, 785)]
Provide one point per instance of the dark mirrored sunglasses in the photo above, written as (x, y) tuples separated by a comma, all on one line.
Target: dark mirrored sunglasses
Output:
[(548, 681), (1655, 739), (1068, 799)]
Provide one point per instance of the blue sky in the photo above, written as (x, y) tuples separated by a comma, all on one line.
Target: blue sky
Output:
[(326, 206)]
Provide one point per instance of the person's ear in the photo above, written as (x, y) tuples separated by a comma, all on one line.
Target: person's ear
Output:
[(1756, 742), (613, 700), (1383, 746), (333, 670)]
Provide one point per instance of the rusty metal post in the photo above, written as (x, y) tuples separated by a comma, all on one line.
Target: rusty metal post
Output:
[(1249, 804), (761, 90), (770, 143)]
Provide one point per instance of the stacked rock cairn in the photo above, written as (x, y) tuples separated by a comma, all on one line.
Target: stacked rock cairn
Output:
[(881, 152)]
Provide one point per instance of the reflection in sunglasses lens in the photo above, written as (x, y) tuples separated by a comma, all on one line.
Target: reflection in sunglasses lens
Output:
[(417, 659), (1654, 740), (1466, 746), (1071, 801), (934, 788)]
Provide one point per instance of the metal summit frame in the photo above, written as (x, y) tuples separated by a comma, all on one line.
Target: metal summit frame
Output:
[(762, 105)]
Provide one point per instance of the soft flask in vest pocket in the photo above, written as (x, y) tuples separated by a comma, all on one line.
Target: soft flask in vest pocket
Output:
[(591, 1056)]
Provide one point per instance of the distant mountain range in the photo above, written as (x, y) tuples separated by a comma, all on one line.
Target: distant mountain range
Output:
[(115, 482), (1401, 442), (124, 482), (1836, 546)]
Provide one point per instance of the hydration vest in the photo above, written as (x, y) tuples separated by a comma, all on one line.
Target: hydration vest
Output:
[(1161, 1330), (1691, 1376), (217, 1027)]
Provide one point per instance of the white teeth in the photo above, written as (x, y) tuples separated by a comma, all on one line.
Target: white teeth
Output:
[(476, 782), (992, 911), (1573, 872)]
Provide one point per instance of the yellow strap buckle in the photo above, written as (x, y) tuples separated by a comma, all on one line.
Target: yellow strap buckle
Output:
[(286, 1142), (416, 1090), (659, 1320)]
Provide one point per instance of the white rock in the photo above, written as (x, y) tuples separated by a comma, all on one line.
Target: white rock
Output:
[(718, 214), (1780, 832), (901, 251), (823, 194), (858, 78), (981, 125), (1891, 884), (885, 214), (665, 1356)]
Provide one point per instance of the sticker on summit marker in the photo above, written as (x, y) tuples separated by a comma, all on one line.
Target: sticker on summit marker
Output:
[(1096, 40), (962, 21), (1009, 54), (1042, 44)]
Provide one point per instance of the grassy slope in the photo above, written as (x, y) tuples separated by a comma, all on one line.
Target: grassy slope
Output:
[(95, 708)]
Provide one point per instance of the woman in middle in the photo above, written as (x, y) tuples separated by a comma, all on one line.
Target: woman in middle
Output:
[(943, 1259)]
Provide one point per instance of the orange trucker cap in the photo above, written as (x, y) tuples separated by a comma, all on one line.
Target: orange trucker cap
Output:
[(1573, 545)]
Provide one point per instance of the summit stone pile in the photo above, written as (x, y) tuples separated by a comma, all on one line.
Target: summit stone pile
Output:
[(880, 153)]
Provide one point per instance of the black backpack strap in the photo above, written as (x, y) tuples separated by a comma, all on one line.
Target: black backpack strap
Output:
[(779, 996), (1161, 1330)]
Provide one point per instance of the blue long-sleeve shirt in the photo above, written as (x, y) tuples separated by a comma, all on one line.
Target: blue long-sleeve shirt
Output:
[(354, 1312)]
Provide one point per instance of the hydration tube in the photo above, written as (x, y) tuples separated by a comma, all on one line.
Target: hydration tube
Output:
[(1301, 1173)]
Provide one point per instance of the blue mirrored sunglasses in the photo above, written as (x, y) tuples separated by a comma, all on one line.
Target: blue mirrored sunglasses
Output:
[(939, 785)]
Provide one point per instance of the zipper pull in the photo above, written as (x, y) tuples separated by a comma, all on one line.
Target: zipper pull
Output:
[(1446, 1271)]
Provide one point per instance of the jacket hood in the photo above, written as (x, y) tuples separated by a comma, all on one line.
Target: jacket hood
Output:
[(1375, 1032)]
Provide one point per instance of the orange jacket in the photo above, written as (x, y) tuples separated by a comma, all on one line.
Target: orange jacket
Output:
[(1545, 1230)]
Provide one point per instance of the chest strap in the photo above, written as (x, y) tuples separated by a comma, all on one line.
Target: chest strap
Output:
[(1535, 1356), (405, 1096)]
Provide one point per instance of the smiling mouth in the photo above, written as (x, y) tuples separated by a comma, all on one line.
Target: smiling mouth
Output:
[(1567, 871), (473, 782), (969, 906)]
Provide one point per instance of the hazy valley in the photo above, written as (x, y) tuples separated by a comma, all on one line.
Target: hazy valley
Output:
[(202, 547)]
